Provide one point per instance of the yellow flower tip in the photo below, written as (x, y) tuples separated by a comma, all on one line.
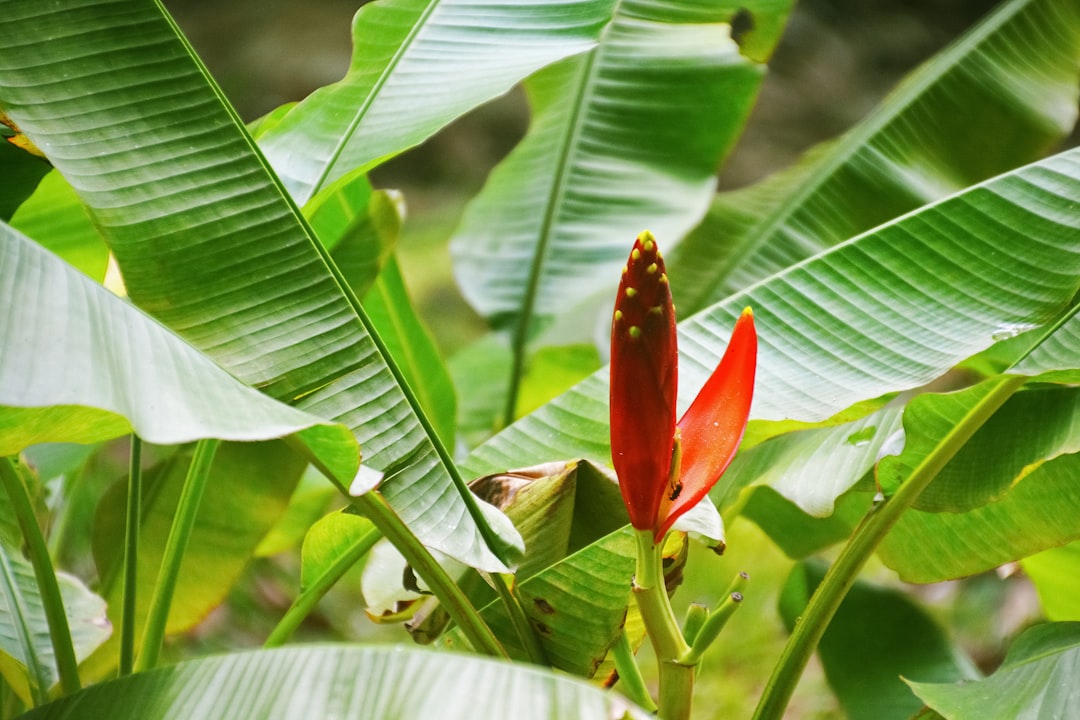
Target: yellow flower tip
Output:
[(748, 311), (630, 292), (647, 240), (635, 332), (618, 315), (635, 254), (663, 279), (652, 268), (657, 309)]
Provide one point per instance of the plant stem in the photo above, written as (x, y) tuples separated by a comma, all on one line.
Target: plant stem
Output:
[(179, 534), (633, 685), (650, 592), (873, 528), (48, 587), (131, 558), (461, 611), (520, 621), (310, 596)]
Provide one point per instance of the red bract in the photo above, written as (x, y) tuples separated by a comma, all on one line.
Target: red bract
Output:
[(658, 485)]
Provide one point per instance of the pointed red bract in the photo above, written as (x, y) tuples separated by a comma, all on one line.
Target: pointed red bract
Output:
[(713, 426), (643, 382)]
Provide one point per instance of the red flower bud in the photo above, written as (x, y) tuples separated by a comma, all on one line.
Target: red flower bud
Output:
[(643, 382), (665, 469)]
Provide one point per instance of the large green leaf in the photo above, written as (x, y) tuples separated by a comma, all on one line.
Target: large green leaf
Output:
[(1055, 573), (878, 638), (1002, 95), (1033, 427), (411, 345), (1055, 359), (22, 173), (887, 311), (800, 535), (343, 681), (815, 466), (55, 219), (89, 367), (625, 137), (417, 65), (1041, 511), (576, 606), (1037, 680), (210, 245)]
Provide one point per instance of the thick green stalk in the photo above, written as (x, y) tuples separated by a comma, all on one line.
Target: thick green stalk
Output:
[(310, 596), (650, 592), (53, 603), (873, 528), (131, 558), (461, 611), (175, 547)]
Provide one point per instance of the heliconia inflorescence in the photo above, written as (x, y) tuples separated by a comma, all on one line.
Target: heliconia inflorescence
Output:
[(664, 467)]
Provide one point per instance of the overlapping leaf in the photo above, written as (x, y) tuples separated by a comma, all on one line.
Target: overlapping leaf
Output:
[(813, 467), (83, 365), (417, 65), (990, 102), (887, 311), (297, 683), (208, 242), (1042, 511), (1055, 574), (1033, 427), (55, 219), (625, 137), (1036, 680)]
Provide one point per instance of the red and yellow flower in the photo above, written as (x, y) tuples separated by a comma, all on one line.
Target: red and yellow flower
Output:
[(664, 467)]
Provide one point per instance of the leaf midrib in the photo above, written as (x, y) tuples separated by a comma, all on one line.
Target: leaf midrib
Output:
[(569, 146), (857, 139)]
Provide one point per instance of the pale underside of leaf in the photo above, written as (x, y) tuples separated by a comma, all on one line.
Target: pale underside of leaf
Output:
[(887, 311), (999, 97), (417, 65)]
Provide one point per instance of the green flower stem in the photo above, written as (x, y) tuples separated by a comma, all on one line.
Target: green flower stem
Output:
[(630, 680), (650, 592), (52, 601), (696, 615), (457, 605), (711, 629), (873, 528), (175, 547), (131, 556), (522, 627), (310, 596)]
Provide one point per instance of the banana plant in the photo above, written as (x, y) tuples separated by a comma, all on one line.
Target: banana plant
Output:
[(216, 314)]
